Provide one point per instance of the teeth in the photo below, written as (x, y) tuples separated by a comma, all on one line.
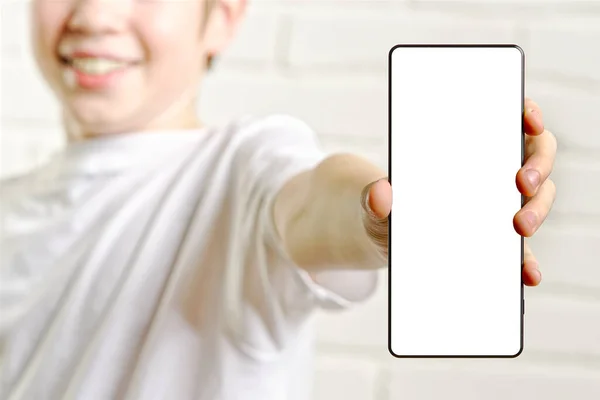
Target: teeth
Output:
[(97, 66)]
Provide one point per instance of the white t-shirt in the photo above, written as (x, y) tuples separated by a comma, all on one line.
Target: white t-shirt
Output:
[(147, 267)]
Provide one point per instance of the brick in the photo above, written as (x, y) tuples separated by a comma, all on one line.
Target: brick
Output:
[(492, 380), (256, 41), (353, 42), (339, 106), (14, 29), (25, 95), (558, 325), (570, 113), (15, 158), (566, 46), (552, 324), (514, 4), (578, 185), (568, 255), (344, 377), (295, 6)]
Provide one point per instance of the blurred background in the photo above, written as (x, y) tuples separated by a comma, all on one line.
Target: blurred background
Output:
[(325, 61)]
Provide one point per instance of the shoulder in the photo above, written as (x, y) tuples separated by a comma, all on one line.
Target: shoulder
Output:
[(273, 130), (271, 149)]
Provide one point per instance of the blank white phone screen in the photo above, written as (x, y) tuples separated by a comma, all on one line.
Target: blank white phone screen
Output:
[(456, 145)]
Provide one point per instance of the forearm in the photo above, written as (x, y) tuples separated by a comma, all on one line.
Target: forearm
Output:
[(321, 219)]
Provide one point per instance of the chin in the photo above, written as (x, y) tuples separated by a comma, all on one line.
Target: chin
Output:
[(99, 116)]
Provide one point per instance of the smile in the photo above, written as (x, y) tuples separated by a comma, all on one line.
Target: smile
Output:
[(95, 65), (94, 72)]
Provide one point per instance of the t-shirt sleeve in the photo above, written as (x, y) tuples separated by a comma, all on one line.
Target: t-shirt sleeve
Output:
[(273, 151)]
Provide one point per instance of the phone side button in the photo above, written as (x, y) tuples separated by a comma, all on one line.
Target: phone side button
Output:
[(523, 307)]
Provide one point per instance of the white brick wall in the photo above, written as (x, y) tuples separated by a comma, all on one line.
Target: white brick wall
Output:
[(325, 61)]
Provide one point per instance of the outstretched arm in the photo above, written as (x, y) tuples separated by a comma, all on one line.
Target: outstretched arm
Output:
[(335, 216)]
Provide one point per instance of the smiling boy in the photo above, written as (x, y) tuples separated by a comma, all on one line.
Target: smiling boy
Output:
[(158, 258)]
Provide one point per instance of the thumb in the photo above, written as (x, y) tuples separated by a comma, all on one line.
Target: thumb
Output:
[(376, 201)]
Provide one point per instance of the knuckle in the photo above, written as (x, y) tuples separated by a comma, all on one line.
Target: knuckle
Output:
[(528, 252), (551, 139), (550, 185)]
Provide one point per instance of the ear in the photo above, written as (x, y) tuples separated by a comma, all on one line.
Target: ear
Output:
[(222, 24)]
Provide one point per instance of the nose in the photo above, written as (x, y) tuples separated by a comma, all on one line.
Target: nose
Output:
[(99, 16)]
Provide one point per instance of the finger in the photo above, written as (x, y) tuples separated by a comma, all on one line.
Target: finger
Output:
[(377, 203), (528, 220), (533, 120), (531, 273), (540, 154), (380, 198)]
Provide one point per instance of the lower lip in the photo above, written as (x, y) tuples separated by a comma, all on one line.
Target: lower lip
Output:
[(97, 82)]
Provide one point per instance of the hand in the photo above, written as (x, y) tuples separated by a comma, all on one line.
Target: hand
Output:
[(532, 181)]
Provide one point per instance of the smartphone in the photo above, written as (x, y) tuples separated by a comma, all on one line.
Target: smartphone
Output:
[(456, 143)]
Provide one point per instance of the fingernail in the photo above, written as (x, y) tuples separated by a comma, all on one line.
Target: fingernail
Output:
[(533, 177), (531, 219), (536, 117)]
